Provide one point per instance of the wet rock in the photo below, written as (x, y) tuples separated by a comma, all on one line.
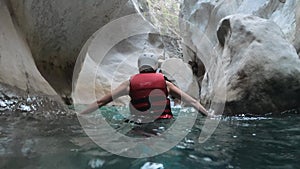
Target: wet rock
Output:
[(20, 104), (24, 108), (2, 103)]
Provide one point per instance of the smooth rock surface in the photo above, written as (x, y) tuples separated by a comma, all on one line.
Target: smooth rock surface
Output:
[(206, 14), (56, 31), (262, 68), (17, 67), (254, 71)]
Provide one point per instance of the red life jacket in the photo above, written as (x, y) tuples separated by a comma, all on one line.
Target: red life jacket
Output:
[(148, 92)]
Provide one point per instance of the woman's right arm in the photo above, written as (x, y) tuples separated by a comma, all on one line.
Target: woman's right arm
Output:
[(121, 90)]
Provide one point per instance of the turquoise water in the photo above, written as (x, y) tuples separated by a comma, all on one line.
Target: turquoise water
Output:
[(238, 142)]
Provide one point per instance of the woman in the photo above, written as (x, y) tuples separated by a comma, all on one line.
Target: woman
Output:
[(149, 93)]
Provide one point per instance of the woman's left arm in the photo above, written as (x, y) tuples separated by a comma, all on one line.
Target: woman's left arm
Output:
[(176, 92)]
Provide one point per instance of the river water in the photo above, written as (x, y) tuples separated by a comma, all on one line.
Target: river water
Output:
[(238, 142)]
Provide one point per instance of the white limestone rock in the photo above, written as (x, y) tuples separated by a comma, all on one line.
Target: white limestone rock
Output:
[(262, 68), (181, 75), (242, 54), (17, 67), (206, 14), (56, 31)]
